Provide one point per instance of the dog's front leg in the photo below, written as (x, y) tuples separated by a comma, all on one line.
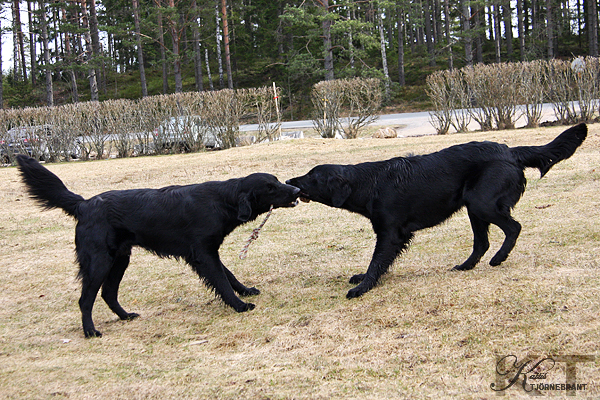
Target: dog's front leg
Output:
[(387, 248), (212, 271)]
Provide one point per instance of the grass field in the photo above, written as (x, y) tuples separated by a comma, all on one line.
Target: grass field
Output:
[(424, 332)]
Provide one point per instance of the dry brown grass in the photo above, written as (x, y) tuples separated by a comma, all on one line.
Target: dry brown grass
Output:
[(425, 332)]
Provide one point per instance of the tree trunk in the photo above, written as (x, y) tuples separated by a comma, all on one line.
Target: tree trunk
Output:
[(69, 60), (429, 34), (497, 36), (479, 19), (163, 53), (197, 50), (1, 74), (466, 17), (226, 44), (401, 26), (521, 28), (176, 41), (328, 53), (386, 74), (508, 29), (47, 64), (140, 52), (448, 37), (437, 21), (210, 81), (19, 43), (593, 28), (96, 46), (32, 45), (550, 28), (219, 58), (89, 52), (350, 42)]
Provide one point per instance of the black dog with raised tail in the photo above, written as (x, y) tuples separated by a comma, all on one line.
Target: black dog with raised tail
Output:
[(405, 194)]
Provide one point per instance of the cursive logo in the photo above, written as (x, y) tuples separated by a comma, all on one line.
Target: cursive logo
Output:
[(510, 372)]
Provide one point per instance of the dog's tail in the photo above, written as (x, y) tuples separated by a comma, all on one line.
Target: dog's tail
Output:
[(46, 188), (544, 157)]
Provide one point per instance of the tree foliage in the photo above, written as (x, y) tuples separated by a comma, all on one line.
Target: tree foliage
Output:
[(294, 43)]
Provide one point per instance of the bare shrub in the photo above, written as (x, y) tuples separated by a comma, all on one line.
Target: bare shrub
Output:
[(478, 82), (327, 98), (63, 142), (438, 90), (268, 118), (450, 95), (191, 128), (460, 100), (560, 90), (503, 93), (222, 113), (585, 75), (8, 147), (118, 116), (92, 122), (167, 138), (363, 98), (531, 87), (151, 112)]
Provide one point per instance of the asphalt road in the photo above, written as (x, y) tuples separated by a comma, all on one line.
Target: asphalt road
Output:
[(406, 124)]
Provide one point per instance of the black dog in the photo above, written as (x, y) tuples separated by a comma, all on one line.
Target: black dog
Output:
[(403, 195), (187, 222)]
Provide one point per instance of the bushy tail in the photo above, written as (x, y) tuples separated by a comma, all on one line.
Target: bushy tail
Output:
[(561, 148), (46, 188)]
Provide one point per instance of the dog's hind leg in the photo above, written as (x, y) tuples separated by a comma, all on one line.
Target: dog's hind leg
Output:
[(110, 288), (239, 287), (93, 270), (511, 229), (491, 199), (480, 243), (210, 268), (387, 248)]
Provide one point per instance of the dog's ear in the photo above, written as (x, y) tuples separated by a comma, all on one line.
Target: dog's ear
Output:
[(244, 207), (340, 189)]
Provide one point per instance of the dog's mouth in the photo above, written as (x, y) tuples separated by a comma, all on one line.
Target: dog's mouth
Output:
[(288, 205), (304, 197)]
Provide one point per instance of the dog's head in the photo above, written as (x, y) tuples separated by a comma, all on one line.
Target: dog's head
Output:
[(324, 184), (258, 192)]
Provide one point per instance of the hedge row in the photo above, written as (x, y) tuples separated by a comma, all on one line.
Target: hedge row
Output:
[(152, 125), (497, 95)]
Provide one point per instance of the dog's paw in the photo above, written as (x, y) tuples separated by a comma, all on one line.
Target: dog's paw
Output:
[(245, 307), (462, 267), (92, 333), (356, 292), (250, 292), (130, 316), (356, 279), (495, 261)]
